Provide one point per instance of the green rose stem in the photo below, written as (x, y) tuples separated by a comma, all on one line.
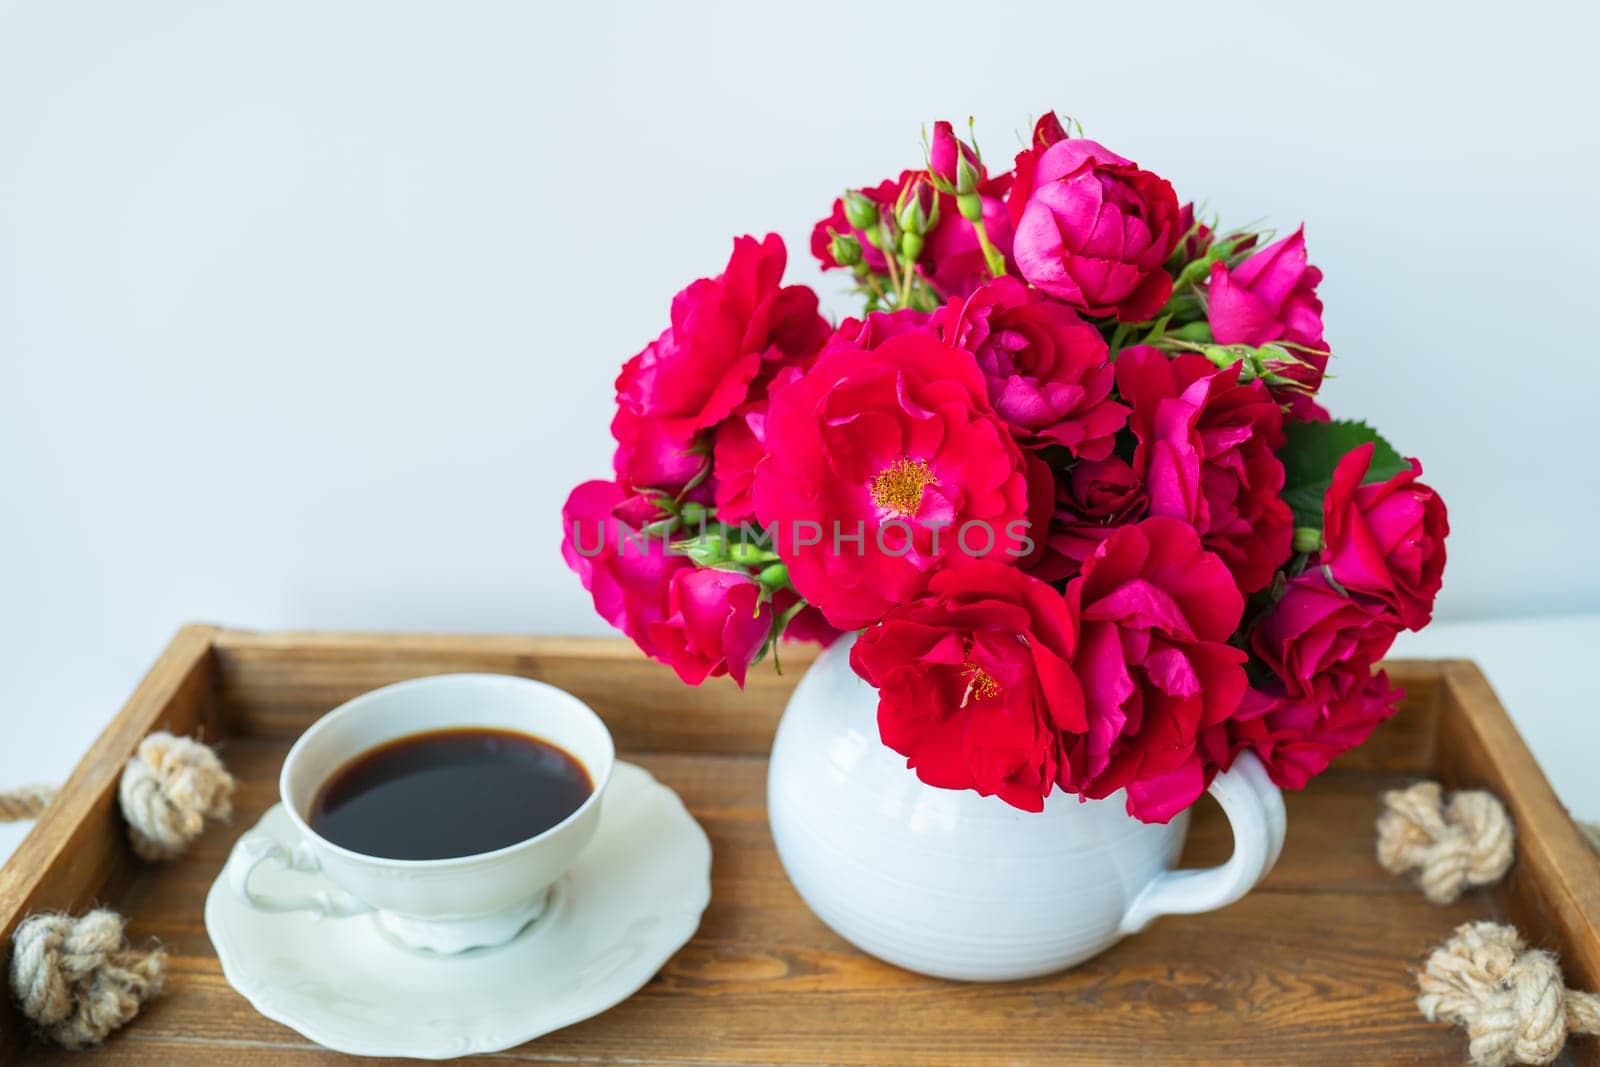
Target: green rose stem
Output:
[(1118, 337), (778, 629), (884, 242), (992, 256)]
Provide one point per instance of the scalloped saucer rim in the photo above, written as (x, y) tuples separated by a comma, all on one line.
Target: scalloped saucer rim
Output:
[(632, 899)]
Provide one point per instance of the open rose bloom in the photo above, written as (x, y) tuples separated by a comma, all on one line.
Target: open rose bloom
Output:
[(1063, 470)]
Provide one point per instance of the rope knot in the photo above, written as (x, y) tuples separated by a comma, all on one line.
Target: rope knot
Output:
[(77, 978), (168, 790), (1451, 846), (1510, 999)]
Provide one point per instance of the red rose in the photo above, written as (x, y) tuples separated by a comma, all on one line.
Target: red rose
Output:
[(1314, 627), (1385, 540), (882, 465), (878, 327), (1155, 613), (738, 446), (715, 624), (1207, 455), (1048, 371), (654, 454), (1091, 501), (627, 573), (1296, 738), (1094, 230), (726, 331), (1154, 616), (974, 682)]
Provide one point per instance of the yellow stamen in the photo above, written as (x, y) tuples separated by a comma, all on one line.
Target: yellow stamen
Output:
[(980, 683), (899, 486)]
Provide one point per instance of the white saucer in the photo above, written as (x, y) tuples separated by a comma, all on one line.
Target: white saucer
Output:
[(634, 898)]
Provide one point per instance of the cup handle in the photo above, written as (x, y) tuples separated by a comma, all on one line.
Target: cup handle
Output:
[(1255, 809), (256, 848)]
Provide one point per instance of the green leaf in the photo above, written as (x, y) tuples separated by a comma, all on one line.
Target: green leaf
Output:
[(1311, 453)]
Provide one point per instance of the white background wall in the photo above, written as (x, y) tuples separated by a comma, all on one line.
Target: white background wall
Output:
[(309, 312)]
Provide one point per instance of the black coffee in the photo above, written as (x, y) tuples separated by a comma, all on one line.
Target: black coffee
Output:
[(445, 793)]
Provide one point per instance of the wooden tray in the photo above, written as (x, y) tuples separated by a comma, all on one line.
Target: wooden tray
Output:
[(1316, 966)]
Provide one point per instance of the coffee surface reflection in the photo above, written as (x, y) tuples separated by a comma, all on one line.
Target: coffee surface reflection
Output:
[(449, 793)]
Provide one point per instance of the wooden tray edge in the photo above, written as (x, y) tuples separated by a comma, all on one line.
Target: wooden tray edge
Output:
[(77, 848), (77, 851), (1556, 875)]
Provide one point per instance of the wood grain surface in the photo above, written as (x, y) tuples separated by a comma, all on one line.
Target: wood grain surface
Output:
[(1316, 966)]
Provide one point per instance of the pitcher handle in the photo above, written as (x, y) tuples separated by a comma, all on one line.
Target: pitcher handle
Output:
[(1254, 807), (256, 848)]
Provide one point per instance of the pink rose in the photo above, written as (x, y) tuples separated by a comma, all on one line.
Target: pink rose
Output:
[(726, 331), (1155, 613), (1315, 627), (1272, 296), (1207, 454), (1091, 501), (1095, 230), (625, 572), (715, 624), (882, 465), (1385, 540), (1046, 132), (1296, 738), (1049, 374), (974, 681)]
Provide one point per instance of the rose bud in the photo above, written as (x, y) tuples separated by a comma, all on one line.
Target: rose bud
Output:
[(954, 164), (917, 208), (917, 212), (845, 250), (860, 211)]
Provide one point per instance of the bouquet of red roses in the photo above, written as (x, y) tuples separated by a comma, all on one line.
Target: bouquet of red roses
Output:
[(1067, 475)]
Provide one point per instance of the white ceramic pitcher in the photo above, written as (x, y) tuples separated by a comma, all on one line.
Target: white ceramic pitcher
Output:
[(956, 885)]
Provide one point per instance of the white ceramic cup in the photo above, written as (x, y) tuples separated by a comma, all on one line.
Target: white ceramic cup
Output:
[(444, 905)]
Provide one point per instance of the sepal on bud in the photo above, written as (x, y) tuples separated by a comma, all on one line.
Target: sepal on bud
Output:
[(917, 208), (860, 211), (1263, 363), (954, 166), (845, 249), (707, 551)]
